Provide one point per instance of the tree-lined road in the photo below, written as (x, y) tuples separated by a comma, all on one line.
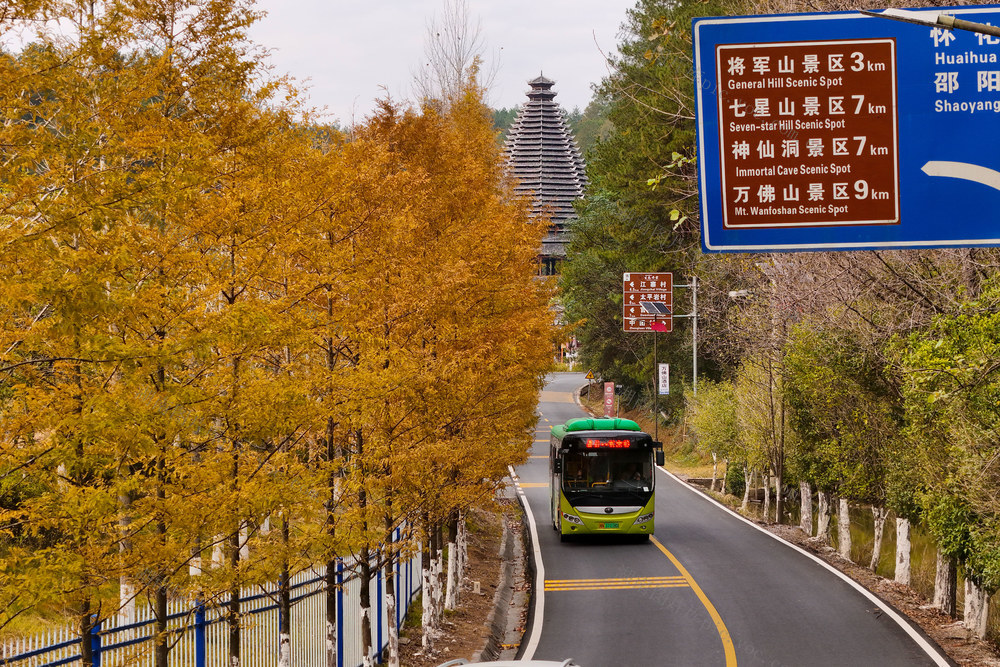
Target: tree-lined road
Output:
[(708, 589)]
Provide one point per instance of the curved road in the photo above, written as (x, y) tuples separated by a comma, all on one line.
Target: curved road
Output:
[(707, 589)]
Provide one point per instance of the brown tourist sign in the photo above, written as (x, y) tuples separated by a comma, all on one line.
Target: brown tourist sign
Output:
[(809, 133)]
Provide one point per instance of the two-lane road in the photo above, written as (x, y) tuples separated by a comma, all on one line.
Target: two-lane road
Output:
[(708, 589)]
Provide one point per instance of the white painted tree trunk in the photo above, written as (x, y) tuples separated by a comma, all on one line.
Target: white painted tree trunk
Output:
[(902, 551), (194, 566), (463, 550), (451, 587), (438, 588), (285, 650), (715, 469), (392, 647), (767, 496), (427, 607), (976, 608), (823, 515), (844, 529), (126, 602), (218, 552), (945, 584), (805, 508), (367, 660), (244, 543), (880, 514), (331, 640), (746, 488)]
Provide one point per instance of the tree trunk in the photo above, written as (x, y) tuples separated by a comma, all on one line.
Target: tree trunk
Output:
[(438, 560), (779, 488), (285, 605), (333, 452), (806, 508), (392, 648), (364, 580), (844, 529), (946, 585), (86, 629), (976, 609), (426, 595), (902, 551), (766, 479), (879, 514), (330, 579), (463, 549), (365, 567), (823, 512), (161, 645), (715, 470), (452, 585), (233, 606), (746, 488)]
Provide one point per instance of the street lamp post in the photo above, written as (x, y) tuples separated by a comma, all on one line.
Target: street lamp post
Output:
[(934, 19)]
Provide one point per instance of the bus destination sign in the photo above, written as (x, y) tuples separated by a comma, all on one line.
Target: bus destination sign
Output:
[(808, 133), (607, 443)]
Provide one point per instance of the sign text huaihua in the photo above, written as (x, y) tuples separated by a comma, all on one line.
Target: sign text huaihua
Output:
[(808, 133)]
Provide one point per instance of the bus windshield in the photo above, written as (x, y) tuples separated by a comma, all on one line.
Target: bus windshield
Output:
[(615, 470)]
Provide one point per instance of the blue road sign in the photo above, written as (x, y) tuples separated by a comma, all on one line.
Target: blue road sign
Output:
[(844, 132)]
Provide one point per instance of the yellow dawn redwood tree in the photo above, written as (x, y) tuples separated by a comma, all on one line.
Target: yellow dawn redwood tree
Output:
[(235, 345)]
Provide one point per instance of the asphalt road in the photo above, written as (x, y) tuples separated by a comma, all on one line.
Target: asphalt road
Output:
[(708, 589)]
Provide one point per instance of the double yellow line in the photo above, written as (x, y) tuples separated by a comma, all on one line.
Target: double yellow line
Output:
[(614, 584)]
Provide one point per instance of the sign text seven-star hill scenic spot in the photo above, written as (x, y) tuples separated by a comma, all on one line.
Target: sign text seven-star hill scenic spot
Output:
[(844, 132)]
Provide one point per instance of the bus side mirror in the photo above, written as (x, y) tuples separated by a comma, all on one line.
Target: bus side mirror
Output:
[(660, 458), (557, 466)]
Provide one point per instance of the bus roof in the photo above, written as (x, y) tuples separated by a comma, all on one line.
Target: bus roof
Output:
[(594, 424)]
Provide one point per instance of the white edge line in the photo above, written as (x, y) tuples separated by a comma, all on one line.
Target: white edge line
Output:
[(536, 623), (920, 640)]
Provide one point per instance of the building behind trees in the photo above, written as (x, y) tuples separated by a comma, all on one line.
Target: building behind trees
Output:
[(543, 156)]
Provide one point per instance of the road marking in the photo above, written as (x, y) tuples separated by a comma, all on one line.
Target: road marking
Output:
[(720, 626), (615, 584), (547, 396), (536, 551), (540, 456), (908, 627), (533, 485)]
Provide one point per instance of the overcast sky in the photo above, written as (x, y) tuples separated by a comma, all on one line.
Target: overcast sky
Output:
[(353, 51)]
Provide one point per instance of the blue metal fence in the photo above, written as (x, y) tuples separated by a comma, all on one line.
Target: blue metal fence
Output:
[(199, 635)]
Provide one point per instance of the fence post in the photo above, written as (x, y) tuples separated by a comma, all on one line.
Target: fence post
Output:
[(200, 630), (95, 641)]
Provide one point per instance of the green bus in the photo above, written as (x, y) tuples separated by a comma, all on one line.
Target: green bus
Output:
[(601, 478)]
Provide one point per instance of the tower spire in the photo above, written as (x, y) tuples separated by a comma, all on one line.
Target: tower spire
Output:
[(543, 157)]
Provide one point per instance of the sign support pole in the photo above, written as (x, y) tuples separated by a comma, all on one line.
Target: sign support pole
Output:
[(656, 391)]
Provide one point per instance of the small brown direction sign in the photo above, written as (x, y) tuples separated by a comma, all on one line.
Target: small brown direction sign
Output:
[(647, 288), (808, 133)]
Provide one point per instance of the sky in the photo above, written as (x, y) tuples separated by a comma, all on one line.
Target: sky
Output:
[(352, 52)]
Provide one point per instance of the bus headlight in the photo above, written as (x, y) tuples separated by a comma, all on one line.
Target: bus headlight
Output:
[(644, 518), (572, 518)]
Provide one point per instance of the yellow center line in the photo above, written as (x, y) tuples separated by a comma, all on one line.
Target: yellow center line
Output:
[(614, 584), (533, 485), (541, 456), (720, 626)]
